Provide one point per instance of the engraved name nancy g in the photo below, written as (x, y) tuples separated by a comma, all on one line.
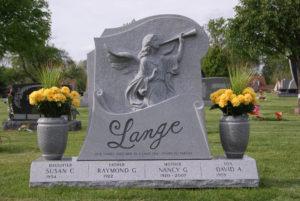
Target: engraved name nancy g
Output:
[(128, 137)]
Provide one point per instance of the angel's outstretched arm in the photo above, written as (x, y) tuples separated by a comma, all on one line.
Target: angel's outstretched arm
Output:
[(180, 48)]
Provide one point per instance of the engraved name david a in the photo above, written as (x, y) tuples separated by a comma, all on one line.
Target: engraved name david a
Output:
[(127, 138)]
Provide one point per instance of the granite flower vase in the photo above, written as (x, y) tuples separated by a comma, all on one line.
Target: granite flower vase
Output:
[(234, 134), (52, 137)]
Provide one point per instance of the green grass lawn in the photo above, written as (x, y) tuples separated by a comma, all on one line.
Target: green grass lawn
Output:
[(274, 144)]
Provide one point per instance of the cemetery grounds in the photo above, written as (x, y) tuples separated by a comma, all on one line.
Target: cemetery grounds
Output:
[(274, 144)]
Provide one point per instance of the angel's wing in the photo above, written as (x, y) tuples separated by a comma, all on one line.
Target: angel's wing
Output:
[(124, 61)]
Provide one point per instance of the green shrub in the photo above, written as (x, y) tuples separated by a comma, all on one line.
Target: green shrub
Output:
[(215, 63), (49, 77), (240, 77)]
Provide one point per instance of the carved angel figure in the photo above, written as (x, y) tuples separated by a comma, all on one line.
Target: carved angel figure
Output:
[(152, 83)]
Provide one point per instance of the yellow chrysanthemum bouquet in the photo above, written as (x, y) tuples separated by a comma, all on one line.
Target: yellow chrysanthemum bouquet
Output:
[(52, 101), (237, 100), (234, 104)]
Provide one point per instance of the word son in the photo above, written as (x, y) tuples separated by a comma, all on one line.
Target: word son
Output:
[(126, 136)]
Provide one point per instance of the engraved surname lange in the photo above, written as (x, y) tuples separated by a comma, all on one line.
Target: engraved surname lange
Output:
[(128, 137)]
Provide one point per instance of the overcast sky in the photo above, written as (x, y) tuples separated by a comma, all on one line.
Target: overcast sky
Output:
[(76, 22)]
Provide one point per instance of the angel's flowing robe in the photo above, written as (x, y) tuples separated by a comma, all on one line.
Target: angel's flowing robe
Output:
[(152, 84)]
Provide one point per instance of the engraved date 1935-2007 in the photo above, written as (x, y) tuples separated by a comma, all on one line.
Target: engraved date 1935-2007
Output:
[(127, 138)]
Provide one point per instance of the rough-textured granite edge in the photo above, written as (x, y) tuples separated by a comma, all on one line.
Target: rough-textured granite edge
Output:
[(287, 95), (15, 125), (236, 183), (74, 125)]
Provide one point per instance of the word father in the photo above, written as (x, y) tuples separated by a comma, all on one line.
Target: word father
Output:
[(128, 139)]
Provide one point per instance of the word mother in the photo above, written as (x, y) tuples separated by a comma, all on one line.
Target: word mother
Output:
[(128, 139)]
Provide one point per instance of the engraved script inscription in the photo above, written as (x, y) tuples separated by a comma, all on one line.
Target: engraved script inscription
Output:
[(131, 137)]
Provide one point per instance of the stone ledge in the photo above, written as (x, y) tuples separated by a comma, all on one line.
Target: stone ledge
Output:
[(239, 183), (74, 125), (287, 94), (218, 172)]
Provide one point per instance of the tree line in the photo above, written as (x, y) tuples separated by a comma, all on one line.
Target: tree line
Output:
[(25, 31), (266, 31), (262, 31)]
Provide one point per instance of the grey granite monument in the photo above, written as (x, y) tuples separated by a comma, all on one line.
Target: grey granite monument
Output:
[(84, 102), (135, 80), (146, 122), (90, 65)]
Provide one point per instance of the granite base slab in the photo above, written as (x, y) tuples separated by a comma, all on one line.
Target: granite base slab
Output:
[(217, 172), (16, 124), (287, 94)]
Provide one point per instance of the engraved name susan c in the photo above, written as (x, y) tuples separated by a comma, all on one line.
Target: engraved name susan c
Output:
[(128, 137)]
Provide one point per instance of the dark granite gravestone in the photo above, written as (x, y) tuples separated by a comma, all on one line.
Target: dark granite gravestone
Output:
[(20, 101), (212, 84), (146, 122), (25, 114), (22, 113)]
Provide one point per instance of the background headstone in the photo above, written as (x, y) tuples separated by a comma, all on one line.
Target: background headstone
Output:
[(292, 87), (90, 64), (287, 88), (24, 114), (20, 101), (212, 84), (258, 83), (284, 85), (84, 102)]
